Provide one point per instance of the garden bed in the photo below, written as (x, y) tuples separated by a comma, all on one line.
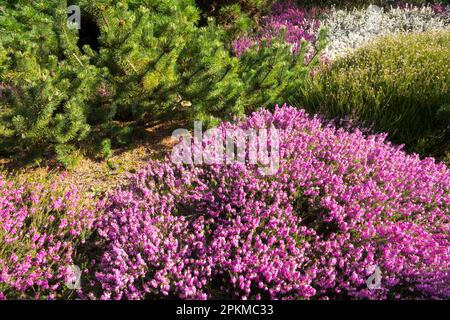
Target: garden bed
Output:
[(116, 178)]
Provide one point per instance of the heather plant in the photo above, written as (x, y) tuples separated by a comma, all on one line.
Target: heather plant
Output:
[(399, 84), (65, 91), (349, 29), (41, 226), (364, 3), (294, 23), (274, 71), (340, 206), (274, 63)]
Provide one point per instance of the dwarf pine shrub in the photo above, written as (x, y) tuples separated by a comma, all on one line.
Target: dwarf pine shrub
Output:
[(47, 81), (42, 224)]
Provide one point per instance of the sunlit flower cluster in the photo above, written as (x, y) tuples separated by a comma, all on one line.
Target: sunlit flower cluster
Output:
[(349, 29), (40, 227)]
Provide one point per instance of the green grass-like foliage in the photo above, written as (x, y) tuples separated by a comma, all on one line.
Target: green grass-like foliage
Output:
[(397, 84)]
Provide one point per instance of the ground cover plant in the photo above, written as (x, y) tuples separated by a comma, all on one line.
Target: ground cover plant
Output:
[(63, 90), (408, 98), (296, 23), (339, 205), (349, 29), (344, 196)]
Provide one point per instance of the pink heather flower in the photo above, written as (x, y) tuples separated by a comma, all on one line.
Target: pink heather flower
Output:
[(63, 175), (242, 44)]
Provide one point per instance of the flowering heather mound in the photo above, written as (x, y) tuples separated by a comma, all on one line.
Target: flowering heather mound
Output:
[(351, 29), (298, 24), (341, 205), (40, 227)]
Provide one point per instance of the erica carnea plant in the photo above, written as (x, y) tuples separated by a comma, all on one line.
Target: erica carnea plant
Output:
[(276, 61), (341, 205), (398, 84), (47, 81), (41, 226)]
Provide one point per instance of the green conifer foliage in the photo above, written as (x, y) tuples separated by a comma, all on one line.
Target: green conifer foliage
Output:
[(140, 45)]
